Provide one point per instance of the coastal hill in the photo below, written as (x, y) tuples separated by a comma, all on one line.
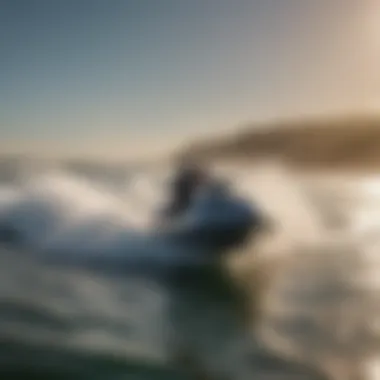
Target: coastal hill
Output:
[(331, 142)]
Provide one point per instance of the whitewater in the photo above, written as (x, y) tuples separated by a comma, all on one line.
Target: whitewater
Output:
[(60, 314)]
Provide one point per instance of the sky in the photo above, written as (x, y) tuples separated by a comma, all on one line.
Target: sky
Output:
[(135, 69)]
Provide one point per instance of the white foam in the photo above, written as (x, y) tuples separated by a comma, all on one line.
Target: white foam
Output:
[(55, 206), (56, 211), (66, 215)]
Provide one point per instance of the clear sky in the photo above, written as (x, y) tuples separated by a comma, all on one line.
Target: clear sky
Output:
[(111, 68)]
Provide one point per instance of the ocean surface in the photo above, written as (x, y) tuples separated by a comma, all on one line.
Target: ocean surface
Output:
[(135, 317)]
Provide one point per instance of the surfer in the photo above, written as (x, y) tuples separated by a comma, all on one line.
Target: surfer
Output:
[(213, 217), (188, 178), (205, 210)]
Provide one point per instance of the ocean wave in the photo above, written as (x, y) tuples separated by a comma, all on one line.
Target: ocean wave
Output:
[(128, 316)]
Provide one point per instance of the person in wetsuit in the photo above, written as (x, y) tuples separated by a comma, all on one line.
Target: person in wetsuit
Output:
[(218, 220), (187, 180)]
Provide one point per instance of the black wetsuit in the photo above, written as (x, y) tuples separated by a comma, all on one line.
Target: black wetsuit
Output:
[(183, 189)]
